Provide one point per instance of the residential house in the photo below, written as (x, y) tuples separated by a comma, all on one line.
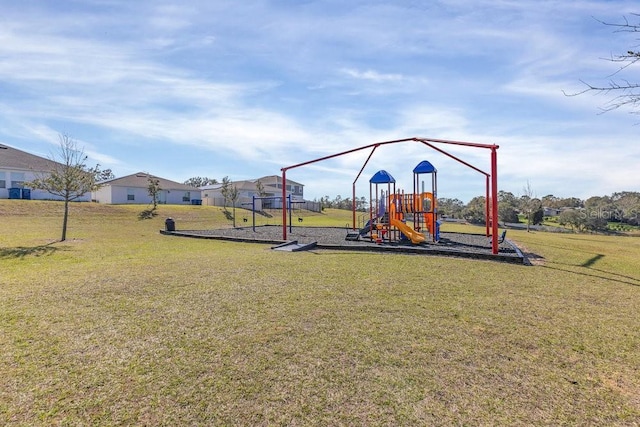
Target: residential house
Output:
[(551, 211), (134, 189), (294, 188), (271, 194), (18, 168)]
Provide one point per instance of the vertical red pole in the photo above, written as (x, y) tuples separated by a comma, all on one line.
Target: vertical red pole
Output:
[(284, 204), (487, 209), (494, 199), (353, 204)]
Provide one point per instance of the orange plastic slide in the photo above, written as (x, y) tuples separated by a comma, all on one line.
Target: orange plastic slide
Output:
[(415, 237)]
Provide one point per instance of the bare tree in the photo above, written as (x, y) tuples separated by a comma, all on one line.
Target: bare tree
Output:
[(625, 93), (69, 177), (224, 190), (230, 193), (233, 198), (260, 189), (530, 204)]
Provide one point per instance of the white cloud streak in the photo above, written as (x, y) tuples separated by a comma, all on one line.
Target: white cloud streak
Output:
[(273, 84)]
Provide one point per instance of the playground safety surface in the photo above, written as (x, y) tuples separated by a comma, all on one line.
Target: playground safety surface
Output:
[(333, 238)]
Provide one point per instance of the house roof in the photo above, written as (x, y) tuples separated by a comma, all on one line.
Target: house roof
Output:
[(245, 185), (141, 179), (12, 158), (249, 185), (211, 186), (277, 178)]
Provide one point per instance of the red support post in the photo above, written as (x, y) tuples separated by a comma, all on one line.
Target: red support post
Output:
[(487, 208), (353, 205), (284, 204), (494, 200)]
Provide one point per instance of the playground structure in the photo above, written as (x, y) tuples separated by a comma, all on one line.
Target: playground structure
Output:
[(391, 210), (491, 179)]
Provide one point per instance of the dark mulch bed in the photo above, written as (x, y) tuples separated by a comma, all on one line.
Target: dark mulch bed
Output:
[(452, 244)]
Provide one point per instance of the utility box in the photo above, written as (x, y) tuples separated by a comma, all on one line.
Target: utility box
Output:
[(170, 224)]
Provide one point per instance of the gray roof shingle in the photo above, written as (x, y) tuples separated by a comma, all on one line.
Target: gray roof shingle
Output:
[(12, 158), (140, 179)]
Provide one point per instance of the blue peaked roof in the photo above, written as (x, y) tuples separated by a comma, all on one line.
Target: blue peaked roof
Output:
[(382, 177), (424, 167)]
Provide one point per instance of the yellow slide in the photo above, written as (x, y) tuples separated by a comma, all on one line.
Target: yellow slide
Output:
[(415, 237)]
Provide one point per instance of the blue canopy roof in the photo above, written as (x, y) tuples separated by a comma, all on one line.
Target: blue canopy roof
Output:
[(382, 177), (424, 167)]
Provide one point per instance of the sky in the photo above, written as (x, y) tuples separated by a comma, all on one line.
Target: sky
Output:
[(242, 89)]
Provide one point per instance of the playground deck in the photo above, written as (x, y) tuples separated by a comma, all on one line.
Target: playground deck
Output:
[(333, 238)]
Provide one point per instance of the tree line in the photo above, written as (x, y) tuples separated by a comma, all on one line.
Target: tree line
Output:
[(592, 214)]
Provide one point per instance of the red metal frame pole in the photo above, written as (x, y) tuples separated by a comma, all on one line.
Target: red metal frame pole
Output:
[(356, 180), (353, 205), (494, 199), (454, 157), (284, 205), (487, 209)]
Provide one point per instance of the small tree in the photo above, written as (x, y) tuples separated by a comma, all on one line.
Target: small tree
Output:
[(573, 218), (595, 224), (224, 190), (69, 177), (530, 205), (260, 189), (230, 194), (154, 189), (233, 198)]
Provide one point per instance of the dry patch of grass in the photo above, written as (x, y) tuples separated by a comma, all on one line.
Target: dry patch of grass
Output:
[(126, 326)]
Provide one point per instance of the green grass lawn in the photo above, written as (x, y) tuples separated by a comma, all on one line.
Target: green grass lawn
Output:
[(121, 325)]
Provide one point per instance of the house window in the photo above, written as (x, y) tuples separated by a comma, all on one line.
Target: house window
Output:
[(17, 179), (3, 182), (186, 197), (131, 195)]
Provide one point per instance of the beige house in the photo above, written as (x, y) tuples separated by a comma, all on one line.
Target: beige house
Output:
[(134, 189), (18, 168), (271, 194)]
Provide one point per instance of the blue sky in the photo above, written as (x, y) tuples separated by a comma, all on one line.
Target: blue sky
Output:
[(243, 88)]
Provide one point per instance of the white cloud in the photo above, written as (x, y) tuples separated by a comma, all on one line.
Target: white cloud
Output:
[(372, 76), (268, 85)]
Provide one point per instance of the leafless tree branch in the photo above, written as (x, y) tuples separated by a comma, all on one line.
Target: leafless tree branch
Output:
[(627, 94)]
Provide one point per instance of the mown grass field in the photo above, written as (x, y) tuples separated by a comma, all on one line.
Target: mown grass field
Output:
[(120, 325)]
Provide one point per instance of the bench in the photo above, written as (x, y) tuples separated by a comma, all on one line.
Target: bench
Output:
[(501, 238)]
